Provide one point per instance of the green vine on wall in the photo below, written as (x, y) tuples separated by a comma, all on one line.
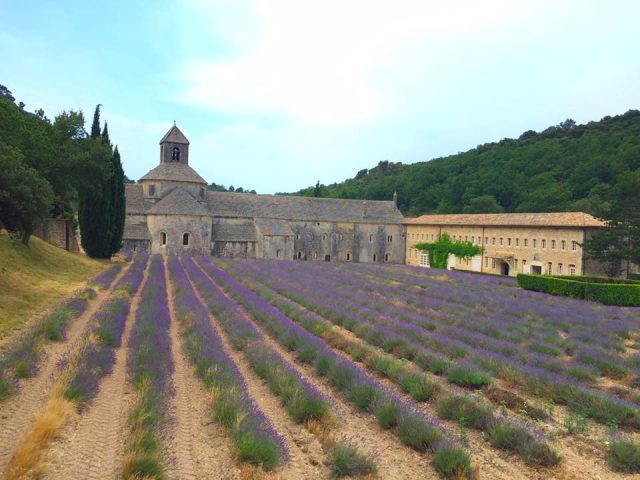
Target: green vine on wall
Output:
[(440, 250)]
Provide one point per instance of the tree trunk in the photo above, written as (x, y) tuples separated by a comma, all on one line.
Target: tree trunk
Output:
[(25, 238)]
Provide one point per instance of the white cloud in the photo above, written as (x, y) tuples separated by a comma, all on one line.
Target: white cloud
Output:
[(331, 63)]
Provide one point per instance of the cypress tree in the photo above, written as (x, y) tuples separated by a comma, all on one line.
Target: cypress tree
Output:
[(105, 134), (95, 126), (118, 202), (96, 204)]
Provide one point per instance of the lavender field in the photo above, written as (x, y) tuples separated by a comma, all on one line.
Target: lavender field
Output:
[(198, 368)]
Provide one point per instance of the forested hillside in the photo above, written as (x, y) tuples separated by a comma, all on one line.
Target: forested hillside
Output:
[(566, 167)]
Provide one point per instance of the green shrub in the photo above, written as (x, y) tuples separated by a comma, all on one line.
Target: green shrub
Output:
[(418, 385), (613, 292), (465, 411), (363, 395), (623, 455), (5, 388), (255, 450), (387, 413), (451, 461), (346, 460), (415, 432), (468, 376)]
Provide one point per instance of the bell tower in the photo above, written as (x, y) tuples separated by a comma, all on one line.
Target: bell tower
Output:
[(174, 147)]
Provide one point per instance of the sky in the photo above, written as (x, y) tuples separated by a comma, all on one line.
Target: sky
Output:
[(275, 95)]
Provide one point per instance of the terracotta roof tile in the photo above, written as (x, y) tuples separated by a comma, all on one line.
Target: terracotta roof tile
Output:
[(552, 219)]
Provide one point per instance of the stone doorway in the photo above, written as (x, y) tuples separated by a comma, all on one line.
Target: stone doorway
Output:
[(327, 258), (504, 268), (536, 270)]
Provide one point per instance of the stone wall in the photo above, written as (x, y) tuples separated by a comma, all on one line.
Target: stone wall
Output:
[(175, 226), (58, 232)]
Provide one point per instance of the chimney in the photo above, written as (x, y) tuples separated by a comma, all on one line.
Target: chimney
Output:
[(395, 199)]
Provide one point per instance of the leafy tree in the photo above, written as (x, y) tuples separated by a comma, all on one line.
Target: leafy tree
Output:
[(440, 250), (25, 197), (317, 191), (483, 204), (618, 245)]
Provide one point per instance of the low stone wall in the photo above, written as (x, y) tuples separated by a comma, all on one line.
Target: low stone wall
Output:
[(58, 232)]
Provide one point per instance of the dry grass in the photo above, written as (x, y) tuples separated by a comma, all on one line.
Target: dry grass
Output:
[(27, 461), (34, 278)]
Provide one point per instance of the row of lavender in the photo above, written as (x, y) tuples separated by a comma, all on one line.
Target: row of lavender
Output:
[(533, 338), (254, 437), (501, 432), (403, 338), (409, 423), (22, 359), (96, 358), (150, 367), (583, 322), (304, 403)]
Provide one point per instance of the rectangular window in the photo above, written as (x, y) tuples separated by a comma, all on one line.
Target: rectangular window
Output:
[(473, 239), (501, 242), (534, 243), (572, 269), (493, 263), (526, 242), (553, 244), (493, 241), (486, 262), (509, 241), (424, 260), (515, 264), (517, 242), (389, 238), (152, 190), (549, 270), (574, 245), (544, 243), (563, 244), (560, 268)]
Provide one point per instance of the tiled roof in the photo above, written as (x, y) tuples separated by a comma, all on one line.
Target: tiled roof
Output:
[(136, 203), (178, 202), (136, 231), (174, 135), (174, 171), (270, 226), (234, 232), (287, 207), (552, 219)]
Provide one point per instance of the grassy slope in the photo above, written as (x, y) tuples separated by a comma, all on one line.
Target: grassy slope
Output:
[(34, 278)]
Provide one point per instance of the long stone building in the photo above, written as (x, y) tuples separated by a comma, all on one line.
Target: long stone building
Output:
[(538, 243), (170, 210)]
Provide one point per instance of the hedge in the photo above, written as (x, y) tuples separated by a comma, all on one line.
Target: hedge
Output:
[(581, 278), (626, 294)]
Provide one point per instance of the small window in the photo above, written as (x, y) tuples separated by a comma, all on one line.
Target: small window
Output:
[(348, 257), (526, 242), (517, 242), (493, 241), (185, 239), (486, 262), (277, 253), (501, 241), (563, 244), (315, 255), (544, 243), (515, 264), (572, 269), (509, 241), (175, 154), (493, 263), (534, 243), (202, 193), (549, 268), (324, 236), (299, 255), (375, 257), (389, 238), (163, 238), (370, 238), (560, 268), (574, 245), (387, 257), (473, 239), (297, 236), (553, 244), (152, 190)]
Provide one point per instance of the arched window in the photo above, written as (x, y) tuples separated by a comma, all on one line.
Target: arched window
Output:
[(185, 239), (175, 154), (299, 255), (375, 257), (387, 257), (348, 257), (277, 253), (163, 238), (202, 193)]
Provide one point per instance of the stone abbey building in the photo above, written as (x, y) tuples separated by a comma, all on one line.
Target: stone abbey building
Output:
[(170, 210)]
